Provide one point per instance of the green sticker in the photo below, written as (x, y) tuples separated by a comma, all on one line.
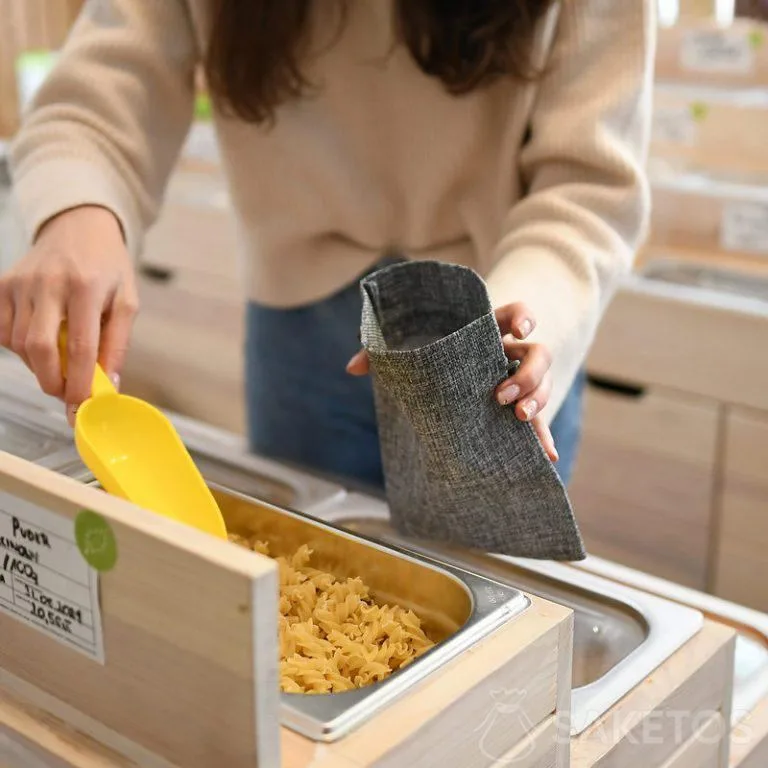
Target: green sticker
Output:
[(756, 38), (96, 541), (203, 108), (699, 111)]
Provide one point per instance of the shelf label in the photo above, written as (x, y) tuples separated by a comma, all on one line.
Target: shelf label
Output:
[(44, 579), (675, 125), (718, 51), (744, 227)]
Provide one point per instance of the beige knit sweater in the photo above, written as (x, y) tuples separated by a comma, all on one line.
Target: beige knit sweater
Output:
[(381, 157)]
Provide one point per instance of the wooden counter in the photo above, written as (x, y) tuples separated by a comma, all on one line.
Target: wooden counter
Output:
[(675, 432), (676, 719), (188, 676)]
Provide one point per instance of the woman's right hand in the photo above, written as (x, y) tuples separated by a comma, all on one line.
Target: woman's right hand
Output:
[(78, 270)]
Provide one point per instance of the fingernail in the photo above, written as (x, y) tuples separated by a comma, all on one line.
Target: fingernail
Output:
[(355, 359), (508, 394), (525, 328), (555, 454), (71, 412), (529, 408), (115, 379)]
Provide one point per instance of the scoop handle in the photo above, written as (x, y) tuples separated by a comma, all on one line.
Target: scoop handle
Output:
[(101, 384)]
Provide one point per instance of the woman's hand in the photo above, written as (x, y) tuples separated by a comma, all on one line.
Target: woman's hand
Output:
[(528, 389), (80, 271)]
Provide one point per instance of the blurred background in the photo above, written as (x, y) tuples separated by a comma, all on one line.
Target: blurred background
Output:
[(673, 473)]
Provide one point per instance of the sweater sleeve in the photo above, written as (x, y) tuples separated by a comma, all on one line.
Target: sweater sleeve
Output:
[(107, 125), (571, 238)]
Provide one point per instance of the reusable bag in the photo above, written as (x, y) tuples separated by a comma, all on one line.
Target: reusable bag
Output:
[(458, 466)]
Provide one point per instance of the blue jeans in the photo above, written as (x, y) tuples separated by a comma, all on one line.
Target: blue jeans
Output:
[(306, 410)]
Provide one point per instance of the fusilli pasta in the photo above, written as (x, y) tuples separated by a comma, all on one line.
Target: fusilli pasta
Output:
[(333, 635)]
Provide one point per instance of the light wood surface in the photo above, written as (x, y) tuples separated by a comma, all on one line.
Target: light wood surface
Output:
[(749, 740), (455, 718), (643, 485), (696, 9), (188, 343), (723, 131), (538, 749), (673, 65), (189, 672), (27, 25), (30, 733), (741, 263), (190, 628), (704, 749), (692, 681), (672, 224), (659, 339), (742, 548), (436, 724), (653, 721), (187, 354)]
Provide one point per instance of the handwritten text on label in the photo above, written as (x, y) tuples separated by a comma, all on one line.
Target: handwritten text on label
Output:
[(44, 580)]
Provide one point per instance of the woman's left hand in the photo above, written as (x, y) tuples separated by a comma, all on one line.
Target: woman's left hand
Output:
[(528, 389)]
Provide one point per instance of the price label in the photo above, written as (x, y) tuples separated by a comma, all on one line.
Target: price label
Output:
[(718, 51), (44, 579), (744, 227), (675, 125)]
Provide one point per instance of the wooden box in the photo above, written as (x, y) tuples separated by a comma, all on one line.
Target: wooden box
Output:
[(678, 718), (696, 51), (742, 546), (643, 485), (707, 213), (709, 129), (188, 675)]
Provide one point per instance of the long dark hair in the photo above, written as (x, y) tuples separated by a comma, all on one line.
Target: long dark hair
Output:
[(257, 47)]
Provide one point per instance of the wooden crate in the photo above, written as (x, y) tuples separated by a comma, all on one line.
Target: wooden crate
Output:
[(643, 486), (701, 50), (729, 217), (189, 674), (719, 130), (742, 546), (661, 722)]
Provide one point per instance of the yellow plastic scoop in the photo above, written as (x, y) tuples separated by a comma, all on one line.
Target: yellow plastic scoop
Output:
[(136, 454)]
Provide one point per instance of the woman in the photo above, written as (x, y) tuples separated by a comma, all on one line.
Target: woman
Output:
[(506, 135)]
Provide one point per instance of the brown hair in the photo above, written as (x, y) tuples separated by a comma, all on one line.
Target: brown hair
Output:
[(257, 47)]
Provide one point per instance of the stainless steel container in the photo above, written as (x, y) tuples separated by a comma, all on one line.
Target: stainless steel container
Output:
[(457, 608), (620, 634), (221, 455), (32, 436)]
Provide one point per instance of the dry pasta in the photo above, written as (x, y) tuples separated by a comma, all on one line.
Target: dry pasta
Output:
[(333, 636)]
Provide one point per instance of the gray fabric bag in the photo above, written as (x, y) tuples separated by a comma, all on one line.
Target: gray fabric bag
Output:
[(459, 467)]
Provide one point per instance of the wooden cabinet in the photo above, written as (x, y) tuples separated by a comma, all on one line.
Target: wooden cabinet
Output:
[(643, 485), (741, 567), (187, 347)]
